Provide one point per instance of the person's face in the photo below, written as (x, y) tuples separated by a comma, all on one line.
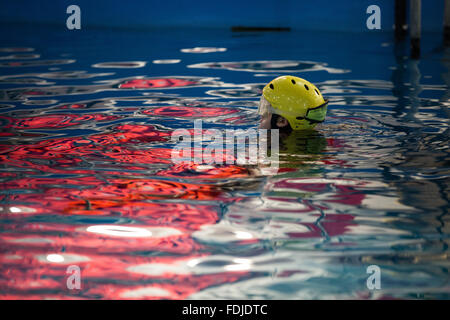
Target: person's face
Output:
[(265, 121)]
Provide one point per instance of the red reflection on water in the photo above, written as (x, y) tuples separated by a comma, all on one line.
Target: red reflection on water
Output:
[(73, 106), (178, 290), (183, 111), (54, 120), (156, 83), (69, 152), (346, 192), (91, 196), (192, 170), (172, 279), (170, 204)]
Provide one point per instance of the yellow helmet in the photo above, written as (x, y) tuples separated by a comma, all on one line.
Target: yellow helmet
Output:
[(297, 100)]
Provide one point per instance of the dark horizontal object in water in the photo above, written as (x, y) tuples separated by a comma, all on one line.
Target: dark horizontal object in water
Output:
[(258, 29)]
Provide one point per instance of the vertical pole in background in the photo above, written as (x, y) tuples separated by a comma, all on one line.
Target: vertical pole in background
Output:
[(414, 30), (400, 19), (447, 23)]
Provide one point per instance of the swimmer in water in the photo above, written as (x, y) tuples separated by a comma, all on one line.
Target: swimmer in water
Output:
[(290, 103), (295, 107)]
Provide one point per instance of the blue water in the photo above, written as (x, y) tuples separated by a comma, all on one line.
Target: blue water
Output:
[(370, 187)]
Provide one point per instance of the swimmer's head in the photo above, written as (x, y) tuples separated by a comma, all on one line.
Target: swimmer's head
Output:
[(291, 103)]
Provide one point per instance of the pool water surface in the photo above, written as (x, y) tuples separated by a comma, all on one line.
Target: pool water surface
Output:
[(87, 179)]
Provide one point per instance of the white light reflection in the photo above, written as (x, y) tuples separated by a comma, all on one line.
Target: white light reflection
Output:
[(192, 263), (120, 231), (203, 50), (21, 210), (243, 235), (239, 265), (57, 258), (166, 61), (158, 269), (121, 64), (145, 292), (66, 258)]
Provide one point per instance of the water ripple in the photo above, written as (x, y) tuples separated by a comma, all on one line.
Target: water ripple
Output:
[(86, 178)]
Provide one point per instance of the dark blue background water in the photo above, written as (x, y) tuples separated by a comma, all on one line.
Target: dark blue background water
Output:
[(371, 188)]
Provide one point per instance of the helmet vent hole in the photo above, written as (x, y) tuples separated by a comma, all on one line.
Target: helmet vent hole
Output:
[(293, 81), (271, 86), (306, 87), (317, 92)]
